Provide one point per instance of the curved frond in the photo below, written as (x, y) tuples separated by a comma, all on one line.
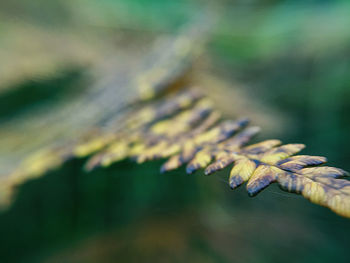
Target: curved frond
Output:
[(184, 128), (195, 135)]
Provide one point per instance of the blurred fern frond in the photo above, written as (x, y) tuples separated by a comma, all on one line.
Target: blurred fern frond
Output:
[(199, 138), (158, 115)]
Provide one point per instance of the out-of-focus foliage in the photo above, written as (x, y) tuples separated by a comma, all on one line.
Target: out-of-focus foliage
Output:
[(102, 107)]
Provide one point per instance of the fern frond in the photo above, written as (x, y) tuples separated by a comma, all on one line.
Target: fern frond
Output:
[(184, 128), (198, 138)]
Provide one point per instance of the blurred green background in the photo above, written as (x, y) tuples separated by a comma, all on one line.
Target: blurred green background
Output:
[(289, 63)]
